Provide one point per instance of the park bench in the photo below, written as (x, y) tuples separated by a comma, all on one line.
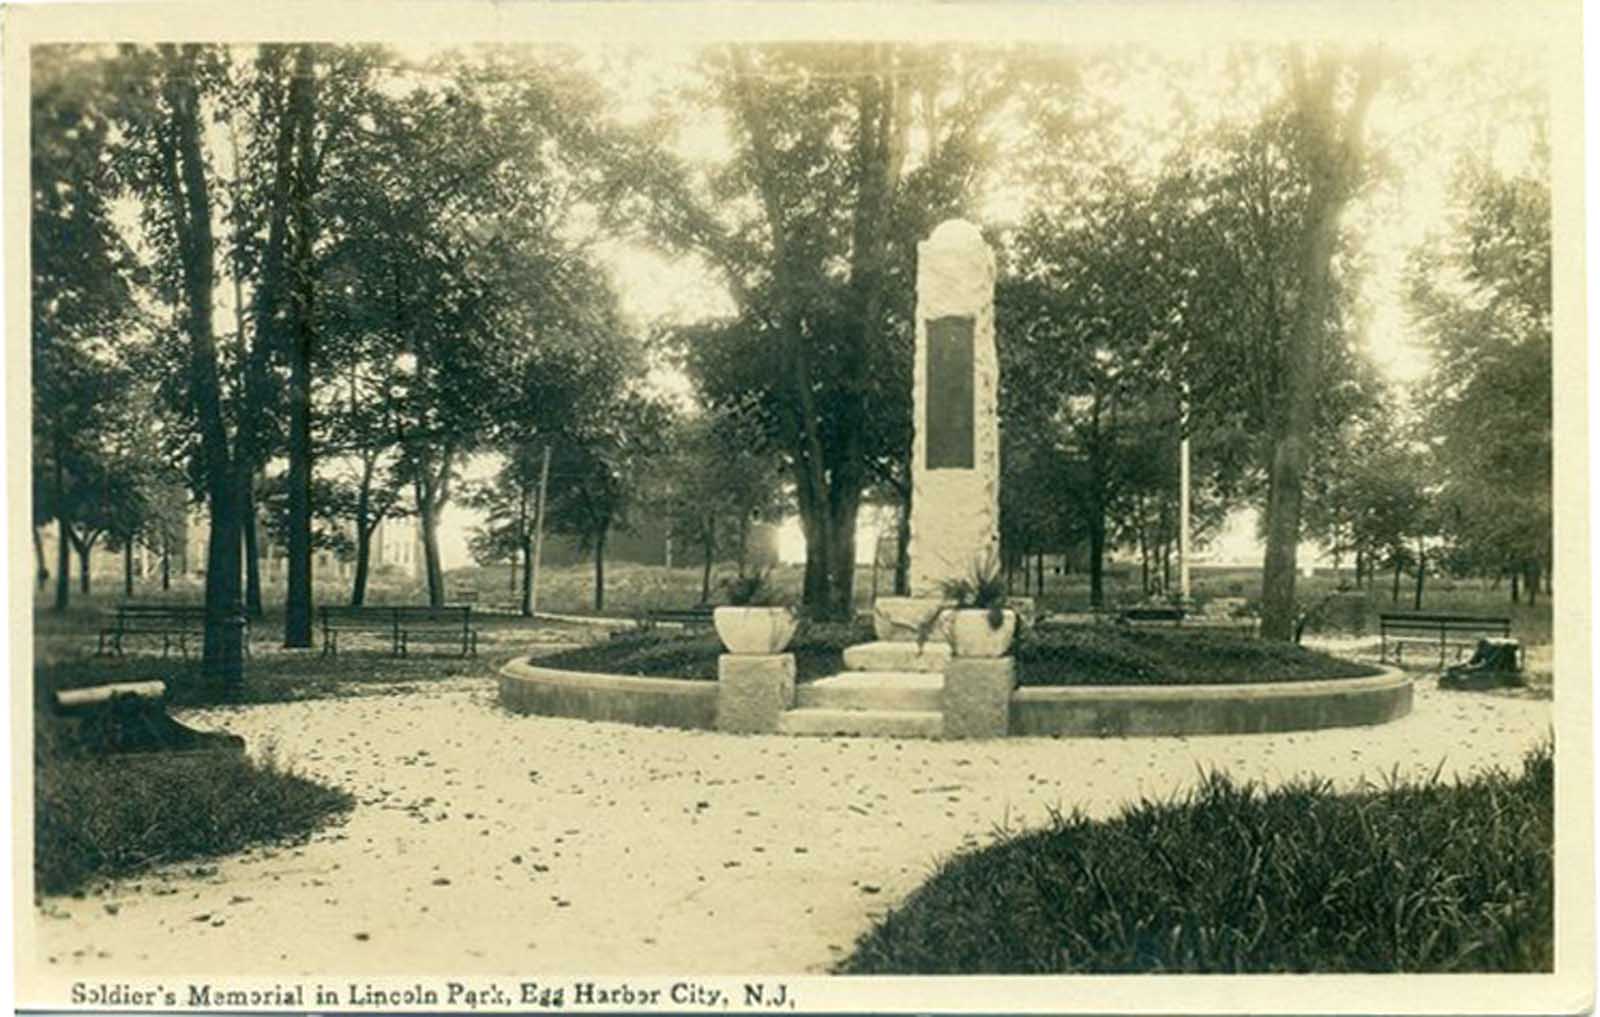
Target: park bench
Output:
[(402, 624), (1151, 615), (1445, 631), (687, 617), (174, 623)]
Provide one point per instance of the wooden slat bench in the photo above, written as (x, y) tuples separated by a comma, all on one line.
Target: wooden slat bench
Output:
[(687, 617), (402, 624), (1445, 631), (174, 623)]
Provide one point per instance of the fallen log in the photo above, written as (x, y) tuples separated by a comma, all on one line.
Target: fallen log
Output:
[(68, 700), (129, 717)]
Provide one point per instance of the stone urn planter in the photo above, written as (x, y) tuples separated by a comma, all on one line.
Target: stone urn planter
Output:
[(971, 635), (755, 630)]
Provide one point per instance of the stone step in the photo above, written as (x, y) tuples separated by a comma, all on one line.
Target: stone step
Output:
[(930, 657), (874, 690), (863, 723)]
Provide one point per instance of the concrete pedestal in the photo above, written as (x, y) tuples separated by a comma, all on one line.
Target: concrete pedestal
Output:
[(977, 697), (753, 691)]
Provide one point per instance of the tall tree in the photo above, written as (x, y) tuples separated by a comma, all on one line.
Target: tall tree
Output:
[(599, 474), (81, 301), (1326, 142), (454, 255), (812, 223), (1481, 295), (718, 476)]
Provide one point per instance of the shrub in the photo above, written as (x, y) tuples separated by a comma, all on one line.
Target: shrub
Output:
[(1411, 876), (1118, 655)]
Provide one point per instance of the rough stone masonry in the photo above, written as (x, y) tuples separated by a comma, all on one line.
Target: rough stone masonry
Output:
[(955, 469)]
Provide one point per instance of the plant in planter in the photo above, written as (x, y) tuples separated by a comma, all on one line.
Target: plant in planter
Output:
[(755, 620), (980, 625)]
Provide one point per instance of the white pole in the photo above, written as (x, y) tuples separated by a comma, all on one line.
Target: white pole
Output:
[(538, 532), (1183, 491), (1183, 518)]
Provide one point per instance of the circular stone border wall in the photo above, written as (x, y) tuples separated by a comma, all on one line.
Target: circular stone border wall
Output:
[(650, 702), (1091, 711), (1116, 711)]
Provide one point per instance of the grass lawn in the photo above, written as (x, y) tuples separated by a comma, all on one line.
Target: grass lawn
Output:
[(1056, 655), (1119, 655), (110, 816), (818, 652), (1415, 877)]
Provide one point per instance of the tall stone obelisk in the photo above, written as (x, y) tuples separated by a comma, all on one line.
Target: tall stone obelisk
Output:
[(955, 458)]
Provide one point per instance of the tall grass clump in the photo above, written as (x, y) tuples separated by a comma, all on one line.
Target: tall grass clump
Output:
[(108, 816), (1425, 876)]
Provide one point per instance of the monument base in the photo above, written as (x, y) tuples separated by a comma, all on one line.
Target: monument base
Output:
[(911, 619), (898, 656)]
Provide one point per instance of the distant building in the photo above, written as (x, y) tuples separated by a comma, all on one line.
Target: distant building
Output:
[(396, 550), (647, 543)]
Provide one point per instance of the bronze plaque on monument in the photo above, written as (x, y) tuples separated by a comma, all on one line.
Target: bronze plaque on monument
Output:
[(948, 410)]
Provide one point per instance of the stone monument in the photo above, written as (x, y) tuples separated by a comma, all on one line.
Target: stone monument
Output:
[(955, 453), (955, 456), (907, 681)]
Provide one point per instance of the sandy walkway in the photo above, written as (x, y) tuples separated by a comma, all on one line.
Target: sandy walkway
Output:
[(490, 842)]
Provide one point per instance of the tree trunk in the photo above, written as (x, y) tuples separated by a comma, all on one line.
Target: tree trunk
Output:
[(814, 582), (358, 587), (429, 522), (527, 575), (1335, 146), (166, 560), (252, 557), (902, 547), (843, 543), (432, 491), (183, 177), (600, 572), (708, 541), (1144, 562), (1038, 562), (1283, 535), (41, 571), (1097, 550), (298, 606), (1516, 586), (127, 569), (223, 575), (84, 550), (1532, 583), (1394, 596), (63, 538), (1422, 570)]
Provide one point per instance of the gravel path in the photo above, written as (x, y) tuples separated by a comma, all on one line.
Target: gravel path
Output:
[(489, 842)]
